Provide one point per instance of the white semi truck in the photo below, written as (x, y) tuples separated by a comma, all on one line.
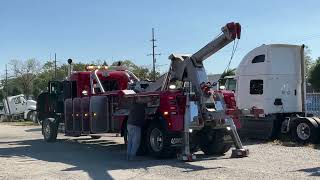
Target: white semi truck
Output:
[(17, 107), (272, 78)]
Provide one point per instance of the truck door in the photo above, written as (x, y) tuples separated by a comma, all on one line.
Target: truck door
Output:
[(56, 96), (18, 105)]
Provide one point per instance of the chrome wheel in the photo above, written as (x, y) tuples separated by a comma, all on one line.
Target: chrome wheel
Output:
[(156, 140), (303, 131)]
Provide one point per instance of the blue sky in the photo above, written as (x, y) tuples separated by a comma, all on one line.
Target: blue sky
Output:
[(116, 29)]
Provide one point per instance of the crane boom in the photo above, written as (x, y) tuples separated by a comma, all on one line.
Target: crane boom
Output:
[(184, 66), (210, 108), (230, 32)]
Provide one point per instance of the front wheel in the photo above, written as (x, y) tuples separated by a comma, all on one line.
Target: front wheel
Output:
[(49, 130), (304, 132)]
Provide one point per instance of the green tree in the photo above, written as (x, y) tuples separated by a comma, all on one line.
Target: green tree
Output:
[(140, 71), (307, 60), (40, 83), (25, 72), (314, 77), (2, 94)]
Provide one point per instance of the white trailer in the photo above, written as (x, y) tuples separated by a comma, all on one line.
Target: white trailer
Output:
[(272, 78), (16, 107)]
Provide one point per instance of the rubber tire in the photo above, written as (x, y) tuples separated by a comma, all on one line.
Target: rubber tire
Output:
[(314, 137), (33, 117), (52, 137), (95, 137), (166, 151), (216, 145), (29, 116)]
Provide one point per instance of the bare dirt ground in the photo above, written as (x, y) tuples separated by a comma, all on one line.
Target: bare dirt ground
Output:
[(24, 155)]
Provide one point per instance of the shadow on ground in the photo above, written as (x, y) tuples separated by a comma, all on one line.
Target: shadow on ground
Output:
[(96, 157), (34, 129), (312, 171), (281, 141)]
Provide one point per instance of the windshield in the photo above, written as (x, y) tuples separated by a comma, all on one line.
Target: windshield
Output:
[(231, 84), (110, 85)]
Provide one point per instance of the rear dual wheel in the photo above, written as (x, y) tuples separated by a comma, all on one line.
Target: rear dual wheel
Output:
[(304, 132), (215, 142), (158, 141)]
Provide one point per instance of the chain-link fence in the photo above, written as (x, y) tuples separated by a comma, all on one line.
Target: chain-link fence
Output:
[(313, 103)]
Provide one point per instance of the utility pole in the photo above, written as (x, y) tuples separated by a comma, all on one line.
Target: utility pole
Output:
[(153, 55), (55, 66), (6, 81)]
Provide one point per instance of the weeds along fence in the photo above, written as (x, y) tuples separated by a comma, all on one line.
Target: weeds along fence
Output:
[(313, 103)]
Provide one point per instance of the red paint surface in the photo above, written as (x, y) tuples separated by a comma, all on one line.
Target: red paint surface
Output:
[(175, 121)]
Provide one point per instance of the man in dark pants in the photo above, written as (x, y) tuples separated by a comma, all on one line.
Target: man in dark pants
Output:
[(135, 122)]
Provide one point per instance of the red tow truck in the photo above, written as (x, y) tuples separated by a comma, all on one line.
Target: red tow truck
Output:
[(183, 115)]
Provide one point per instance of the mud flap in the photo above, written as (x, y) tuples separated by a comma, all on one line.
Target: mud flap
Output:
[(85, 115), (76, 116), (258, 128), (68, 117), (99, 112)]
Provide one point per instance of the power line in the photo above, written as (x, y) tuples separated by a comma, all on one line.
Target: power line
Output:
[(154, 55)]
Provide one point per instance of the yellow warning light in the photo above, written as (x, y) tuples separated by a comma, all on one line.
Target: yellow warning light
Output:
[(92, 68)]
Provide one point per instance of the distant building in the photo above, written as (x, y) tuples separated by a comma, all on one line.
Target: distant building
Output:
[(214, 77)]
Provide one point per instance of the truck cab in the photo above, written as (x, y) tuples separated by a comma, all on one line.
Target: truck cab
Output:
[(272, 78), (18, 107)]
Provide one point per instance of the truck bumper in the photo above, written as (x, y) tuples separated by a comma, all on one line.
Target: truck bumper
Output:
[(175, 139)]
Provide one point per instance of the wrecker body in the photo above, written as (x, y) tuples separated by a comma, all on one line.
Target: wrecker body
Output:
[(182, 115)]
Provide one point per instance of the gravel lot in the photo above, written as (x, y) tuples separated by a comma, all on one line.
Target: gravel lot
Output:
[(24, 155)]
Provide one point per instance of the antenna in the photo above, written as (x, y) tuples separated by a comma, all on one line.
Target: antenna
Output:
[(154, 55)]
